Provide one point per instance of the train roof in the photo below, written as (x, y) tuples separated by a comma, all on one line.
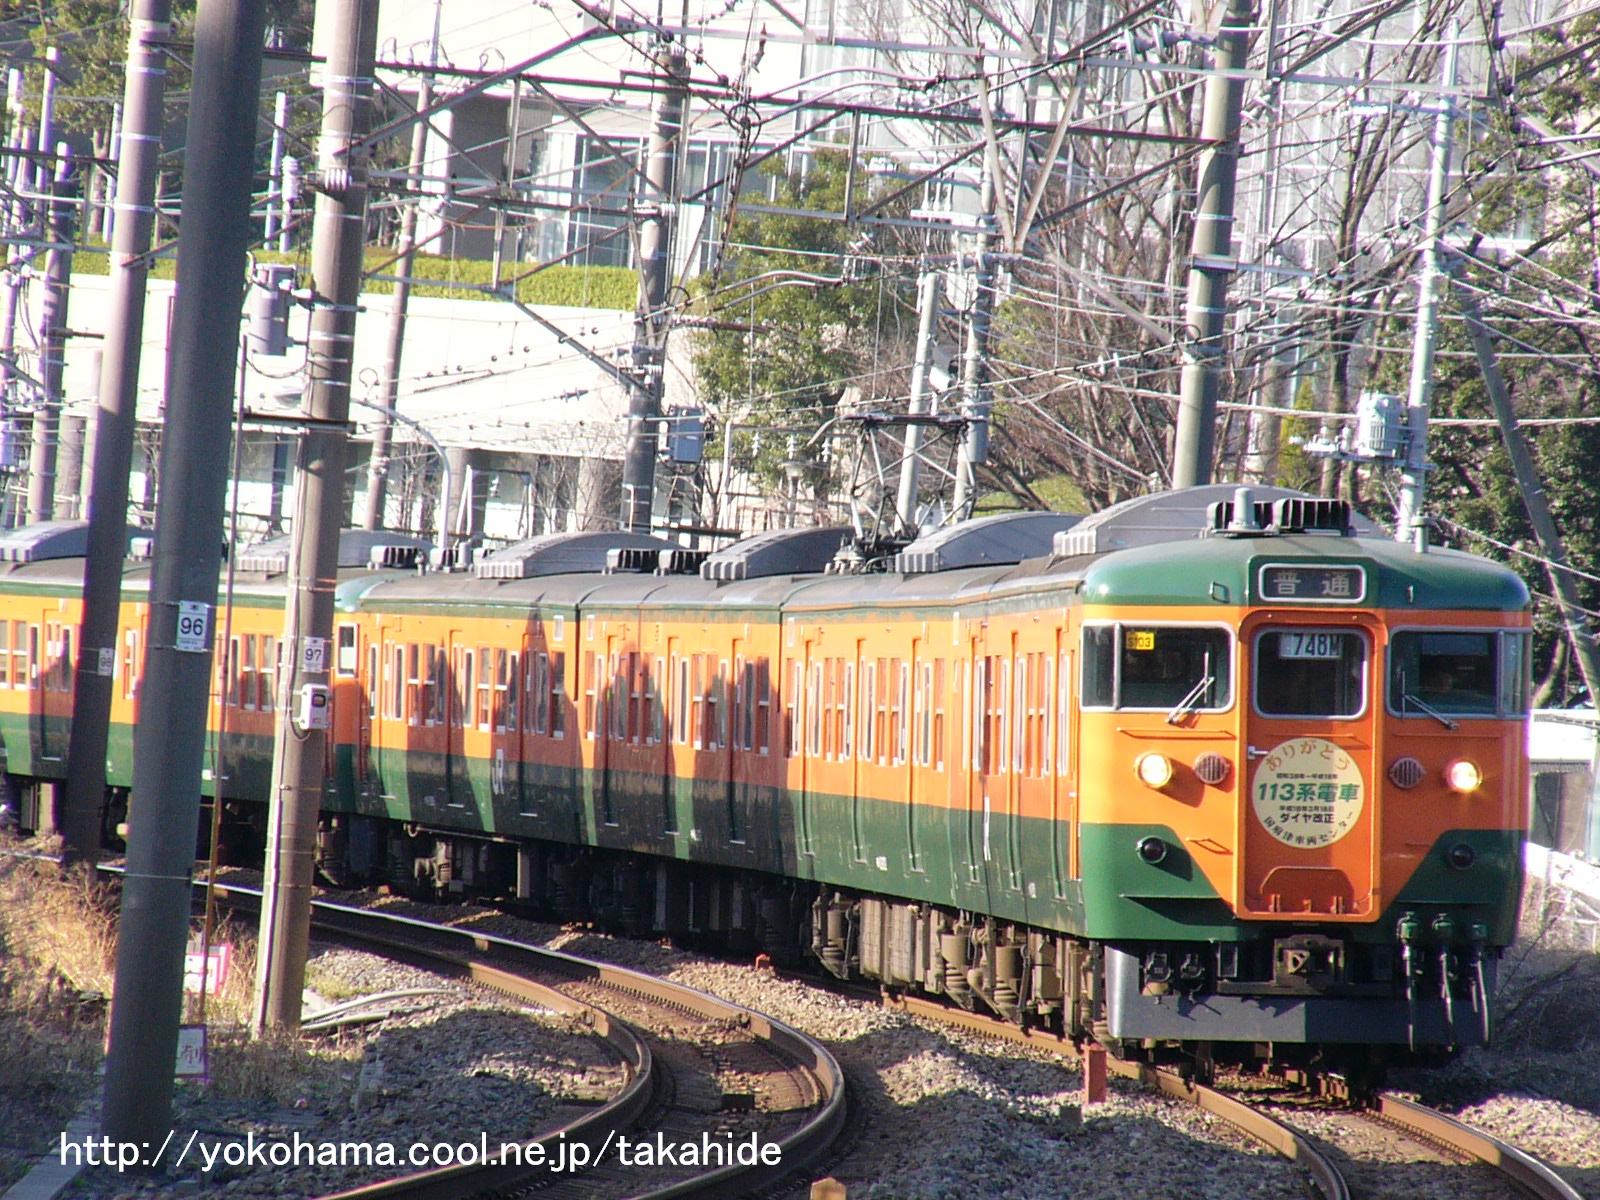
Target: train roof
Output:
[(1236, 570)]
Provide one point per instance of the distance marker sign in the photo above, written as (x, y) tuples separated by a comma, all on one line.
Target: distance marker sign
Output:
[(1308, 793)]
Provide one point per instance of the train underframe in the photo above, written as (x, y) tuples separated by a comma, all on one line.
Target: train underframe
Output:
[(1315, 1000), (1312, 1001)]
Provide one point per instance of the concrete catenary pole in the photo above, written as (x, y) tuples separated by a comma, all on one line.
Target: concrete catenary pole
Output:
[(1205, 319), (975, 360), (42, 169), (378, 464), (658, 219), (169, 743), (929, 290), (1414, 472), (131, 231), (52, 338), (270, 215), (337, 240)]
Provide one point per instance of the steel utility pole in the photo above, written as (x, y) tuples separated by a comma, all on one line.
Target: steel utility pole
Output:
[(659, 219), (169, 743), (52, 339), (905, 507), (975, 362), (131, 232), (1414, 474), (338, 237), (1210, 264), (378, 463)]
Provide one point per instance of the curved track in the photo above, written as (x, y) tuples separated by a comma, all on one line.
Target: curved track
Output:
[(1507, 1171), (799, 1082), (677, 1042)]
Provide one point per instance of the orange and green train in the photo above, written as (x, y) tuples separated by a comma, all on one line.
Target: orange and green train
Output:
[(1212, 771)]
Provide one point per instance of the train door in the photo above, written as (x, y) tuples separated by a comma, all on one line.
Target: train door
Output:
[(348, 707), (505, 723), (1064, 826), (917, 691), (1309, 826), (55, 693), (739, 755), (461, 703), (675, 761), (805, 683), (370, 750), (611, 724), (979, 751)]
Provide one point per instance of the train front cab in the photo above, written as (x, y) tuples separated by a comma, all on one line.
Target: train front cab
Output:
[(1329, 799)]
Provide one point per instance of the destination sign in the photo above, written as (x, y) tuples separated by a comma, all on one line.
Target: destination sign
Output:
[(1283, 584)]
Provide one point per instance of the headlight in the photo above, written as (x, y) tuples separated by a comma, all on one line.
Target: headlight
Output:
[(1154, 770), (1463, 776)]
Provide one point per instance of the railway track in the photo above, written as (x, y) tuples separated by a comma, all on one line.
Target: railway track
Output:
[(1498, 1170), (700, 1068)]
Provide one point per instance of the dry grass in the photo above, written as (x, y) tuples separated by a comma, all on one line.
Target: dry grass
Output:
[(57, 968), (57, 948)]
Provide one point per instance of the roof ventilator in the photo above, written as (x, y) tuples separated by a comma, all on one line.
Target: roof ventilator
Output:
[(585, 552), (680, 561)]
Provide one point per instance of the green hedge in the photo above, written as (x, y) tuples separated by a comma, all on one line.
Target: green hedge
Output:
[(458, 279)]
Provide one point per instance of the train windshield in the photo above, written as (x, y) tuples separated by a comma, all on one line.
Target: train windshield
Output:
[(1310, 672), (1170, 667), (1458, 673)]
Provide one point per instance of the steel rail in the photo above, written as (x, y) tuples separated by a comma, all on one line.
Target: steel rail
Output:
[(1270, 1132), (1527, 1173), (798, 1147)]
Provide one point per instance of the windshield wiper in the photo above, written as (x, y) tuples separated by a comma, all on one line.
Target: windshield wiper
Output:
[(1408, 698), (1191, 701)]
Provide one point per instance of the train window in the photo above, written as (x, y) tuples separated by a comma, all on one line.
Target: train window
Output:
[(680, 712), (345, 659), (978, 722), (791, 718), (269, 673), (1157, 667), (558, 696), (1457, 673), (1020, 731), (485, 689), (33, 656), (637, 717), (1516, 666), (719, 694), (938, 714), (5, 655), (541, 693), (248, 674), (1064, 715), (596, 670), (814, 710), (653, 700), (372, 681), (869, 703), (922, 685), (513, 691), (1002, 736), (437, 673), (413, 713), (1303, 672), (763, 706), (396, 683), (1042, 707), (902, 718), (20, 665), (847, 709), (501, 702)]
